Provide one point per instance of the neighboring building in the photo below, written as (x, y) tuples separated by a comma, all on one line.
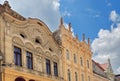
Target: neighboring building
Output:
[(104, 70), (76, 55), (108, 70), (117, 77), (98, 72), (31, 52)]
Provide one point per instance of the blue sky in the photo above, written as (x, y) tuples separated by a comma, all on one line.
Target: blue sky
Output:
[(98, 19), (89, 16)]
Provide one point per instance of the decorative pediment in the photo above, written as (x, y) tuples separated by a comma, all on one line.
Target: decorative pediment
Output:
[(18, 40), (29, 45)]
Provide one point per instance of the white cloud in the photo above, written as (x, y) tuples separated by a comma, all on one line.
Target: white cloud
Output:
[(56, 4), (108, 3), (93, 13), (118, 70), (45, 10), (114, 16), (107, 45), (66, 13)]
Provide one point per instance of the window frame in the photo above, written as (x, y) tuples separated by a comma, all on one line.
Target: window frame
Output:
[(75, 59), (81, 61), (76, 76), (29, 60), (88, 64), (82, 77), (55, 69), (48, 66), (67, 54), (69, 75), (17, 56), (88, 78)]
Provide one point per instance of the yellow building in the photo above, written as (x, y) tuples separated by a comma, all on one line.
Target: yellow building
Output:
[(29, 51), (76, 55)]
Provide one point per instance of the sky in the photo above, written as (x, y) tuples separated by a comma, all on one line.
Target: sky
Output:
[(98, 19)]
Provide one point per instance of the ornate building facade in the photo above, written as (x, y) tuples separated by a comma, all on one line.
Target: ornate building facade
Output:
[(31, 52)]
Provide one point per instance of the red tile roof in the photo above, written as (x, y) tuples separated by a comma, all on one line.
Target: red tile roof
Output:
[(104, 66), (99, 65)]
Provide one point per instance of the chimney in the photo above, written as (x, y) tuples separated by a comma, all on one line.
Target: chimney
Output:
[(76, 36), (88, 41), (69, 25), (83, 37), (61, 21)]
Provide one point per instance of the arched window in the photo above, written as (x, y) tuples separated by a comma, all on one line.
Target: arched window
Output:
[(19, 79), (76, 77), (69, 75), (88, 64), (31, 80), (75, 58), (81, 61), (67, 55)]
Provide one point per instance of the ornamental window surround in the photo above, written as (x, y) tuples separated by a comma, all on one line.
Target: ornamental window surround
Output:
[(67, 54), (17, 56), (29, 60)]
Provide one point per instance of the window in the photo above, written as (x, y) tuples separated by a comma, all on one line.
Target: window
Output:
[(29, 60), (88, 78), (67, 54), (69, 75), (48, 68), (31, 80), (22, 35), (75, 58), (76, 78), (82, 77), (38, 41), (19, 79), (88, 64), (50, 49), (55, 69), (81, 61), (17, 56)]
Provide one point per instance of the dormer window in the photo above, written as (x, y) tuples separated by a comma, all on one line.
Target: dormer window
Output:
[(40, 23), (22, 35), (38, 41), (50, 49)]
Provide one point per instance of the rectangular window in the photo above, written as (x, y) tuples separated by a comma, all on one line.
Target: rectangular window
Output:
[(29, 60), (81, 61), (67, 54), (48, 68), (17, 56), (82, 77), (55, 69), (75, 58), (88, 64), (88, 78)]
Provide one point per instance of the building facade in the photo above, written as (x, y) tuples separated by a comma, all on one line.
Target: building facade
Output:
[(28, 48), (76, 55), (31, 52)]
